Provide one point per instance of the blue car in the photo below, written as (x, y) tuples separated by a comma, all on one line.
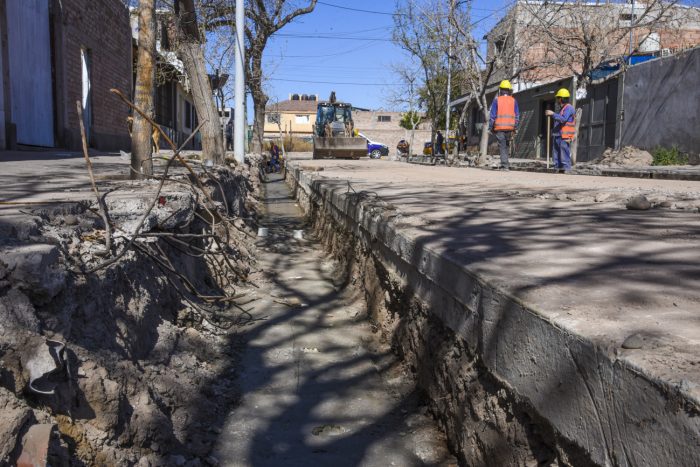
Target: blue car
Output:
[(375, 150)]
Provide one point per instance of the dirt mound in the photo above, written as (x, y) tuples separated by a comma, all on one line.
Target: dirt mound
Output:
[(626, 157), (133, 363)]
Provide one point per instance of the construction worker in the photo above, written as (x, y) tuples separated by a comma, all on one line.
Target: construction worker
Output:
[(439, 141), (564, 131), (505, 116)]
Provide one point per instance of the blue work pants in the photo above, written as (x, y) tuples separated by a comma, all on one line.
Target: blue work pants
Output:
[(561, 154)]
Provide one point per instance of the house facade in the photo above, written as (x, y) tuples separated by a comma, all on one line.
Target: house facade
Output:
[(606, 102), (293, 117), (526, 43), (58, 52)]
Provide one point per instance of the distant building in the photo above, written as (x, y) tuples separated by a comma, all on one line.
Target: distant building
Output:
[(384, 127), (58, 52), (519, 36), (295, 116)]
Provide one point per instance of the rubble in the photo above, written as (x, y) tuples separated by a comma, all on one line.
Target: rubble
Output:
[(625, 157), (140, 379)]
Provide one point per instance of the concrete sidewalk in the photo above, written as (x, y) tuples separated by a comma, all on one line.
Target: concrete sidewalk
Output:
[(614, 293)]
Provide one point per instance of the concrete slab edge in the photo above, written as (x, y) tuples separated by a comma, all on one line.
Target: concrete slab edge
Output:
[(615, 411)]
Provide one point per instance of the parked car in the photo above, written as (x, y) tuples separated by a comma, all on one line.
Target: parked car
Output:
[(375, 150)]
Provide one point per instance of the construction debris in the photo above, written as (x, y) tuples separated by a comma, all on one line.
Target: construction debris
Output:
[(126, 353), (625, 157)]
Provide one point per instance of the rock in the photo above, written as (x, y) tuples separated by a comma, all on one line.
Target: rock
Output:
[(178, 460), (329, 430), (635, 341), (16, 311), (70, 219), (638, 203), (601, 197), (665, 204), (14, 416), (213, 461), (562, 196), (36, 270)]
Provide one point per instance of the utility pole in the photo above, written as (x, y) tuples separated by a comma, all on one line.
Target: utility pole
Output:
[(239, 87), (632, 21)]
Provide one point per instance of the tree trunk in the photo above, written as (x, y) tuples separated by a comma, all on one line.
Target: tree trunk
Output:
[(259, 98), (259, 104), (484, 141), (141, 145), (191, 54)]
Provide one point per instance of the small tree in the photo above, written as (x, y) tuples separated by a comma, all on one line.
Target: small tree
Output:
[(406, 96), (419, 29), (478, 72), (578, 36), (263, 19)]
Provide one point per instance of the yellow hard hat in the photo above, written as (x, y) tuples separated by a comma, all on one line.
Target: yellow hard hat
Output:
[(564, 93), (505, 84)]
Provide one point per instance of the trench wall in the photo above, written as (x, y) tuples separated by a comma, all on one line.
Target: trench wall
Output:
[(508, 386)]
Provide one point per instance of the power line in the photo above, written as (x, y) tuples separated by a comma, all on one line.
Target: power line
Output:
[(335, 54), (330, 36), (357, 9), (334, 82), (374, 12)]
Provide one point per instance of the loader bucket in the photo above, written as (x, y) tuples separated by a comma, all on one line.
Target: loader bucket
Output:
[(339, 147)]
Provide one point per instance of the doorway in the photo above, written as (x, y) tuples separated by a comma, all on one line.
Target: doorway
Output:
[(86, 97), (29, 59)]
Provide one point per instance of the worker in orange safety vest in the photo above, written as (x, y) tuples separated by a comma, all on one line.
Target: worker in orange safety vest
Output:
[(505, 116), (564, 131)]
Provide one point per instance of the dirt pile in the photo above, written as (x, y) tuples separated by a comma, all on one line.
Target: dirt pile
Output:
[(127, 357), (625, 157)]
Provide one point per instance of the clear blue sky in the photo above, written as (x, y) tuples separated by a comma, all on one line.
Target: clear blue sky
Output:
[(356, 48)]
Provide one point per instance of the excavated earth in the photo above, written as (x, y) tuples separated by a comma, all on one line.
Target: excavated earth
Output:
[(129, 364)]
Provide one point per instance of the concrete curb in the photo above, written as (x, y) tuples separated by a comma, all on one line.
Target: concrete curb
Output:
[(613, 410)]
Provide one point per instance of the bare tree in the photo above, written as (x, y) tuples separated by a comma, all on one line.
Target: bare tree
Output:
[(406, 97), (189, 50), (578, 36), (263, 19), (479, 71), (141, 147), (419, 29)]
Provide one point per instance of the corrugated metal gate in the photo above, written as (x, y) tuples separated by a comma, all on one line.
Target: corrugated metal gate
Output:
[(598, 121), (29, 47)]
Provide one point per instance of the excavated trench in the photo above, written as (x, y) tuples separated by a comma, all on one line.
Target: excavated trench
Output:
[(485, 423), (506, 386)]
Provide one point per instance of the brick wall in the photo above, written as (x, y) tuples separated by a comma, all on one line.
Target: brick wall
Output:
[(103, 28)]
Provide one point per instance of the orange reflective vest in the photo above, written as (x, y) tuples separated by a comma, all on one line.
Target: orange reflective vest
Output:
[(505, 118), (568, 130)]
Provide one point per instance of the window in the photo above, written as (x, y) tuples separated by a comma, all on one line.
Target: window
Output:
[(384, 118), (273, 118), (301, 119)]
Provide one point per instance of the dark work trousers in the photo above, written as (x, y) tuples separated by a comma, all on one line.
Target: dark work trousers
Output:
[(561, 152), (504, 139)]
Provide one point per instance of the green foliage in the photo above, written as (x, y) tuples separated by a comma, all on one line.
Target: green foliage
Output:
[(409, 119), (666, 156)]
